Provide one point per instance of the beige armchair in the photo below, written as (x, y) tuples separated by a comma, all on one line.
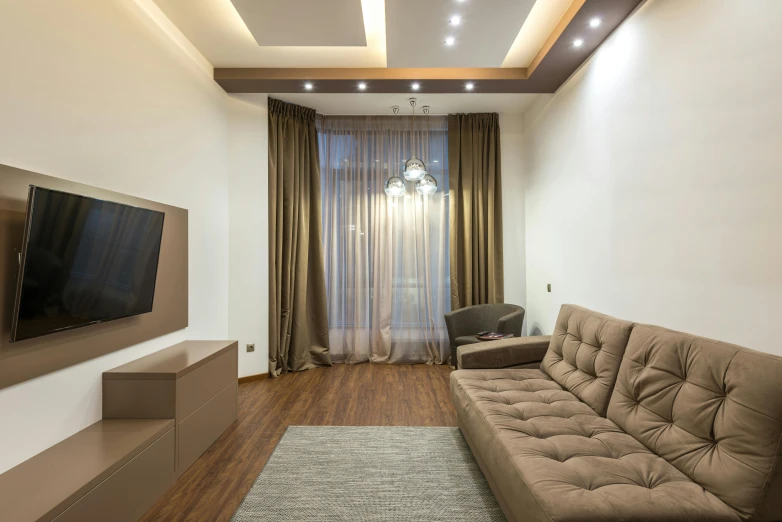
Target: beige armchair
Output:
[(468, 352)]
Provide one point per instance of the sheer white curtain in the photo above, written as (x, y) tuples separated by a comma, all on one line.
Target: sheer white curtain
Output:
[(386, 259)]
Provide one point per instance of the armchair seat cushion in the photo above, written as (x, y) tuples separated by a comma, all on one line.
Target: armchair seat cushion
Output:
[(555, 459), (467, 339)]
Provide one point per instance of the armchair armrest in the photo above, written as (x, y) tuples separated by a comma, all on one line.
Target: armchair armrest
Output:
[(503, 353), (511, 323)]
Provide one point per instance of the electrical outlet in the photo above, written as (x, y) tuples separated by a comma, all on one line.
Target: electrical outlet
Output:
[(250, 348), (548, 287)]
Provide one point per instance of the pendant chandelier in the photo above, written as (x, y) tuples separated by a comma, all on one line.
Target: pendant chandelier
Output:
[(415, 168)]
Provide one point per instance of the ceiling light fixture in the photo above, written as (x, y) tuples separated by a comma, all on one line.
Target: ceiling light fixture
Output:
[(362, 86), (395, 187), (415, 169), (456, 20), (594, 22), (415, 86), (578, 43), (469, 86), (450, 40), (308, 86)]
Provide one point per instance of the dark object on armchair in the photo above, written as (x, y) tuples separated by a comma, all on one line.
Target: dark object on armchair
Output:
[(464, 323)]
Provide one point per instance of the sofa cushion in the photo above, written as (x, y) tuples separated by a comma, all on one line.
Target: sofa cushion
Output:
[(553, 458), (712, 409), (585, 353)]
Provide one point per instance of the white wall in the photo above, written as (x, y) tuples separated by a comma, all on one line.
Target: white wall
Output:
[(248, 309), (101, 92), (654, 175), (513, 237)]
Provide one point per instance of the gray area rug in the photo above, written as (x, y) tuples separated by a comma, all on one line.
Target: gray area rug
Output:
[(378, 474)]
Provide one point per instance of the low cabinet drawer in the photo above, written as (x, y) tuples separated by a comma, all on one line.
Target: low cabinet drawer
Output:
[(197, 432), (200, 385), (131, 489)]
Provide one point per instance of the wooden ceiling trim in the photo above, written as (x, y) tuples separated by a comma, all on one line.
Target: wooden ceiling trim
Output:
[(368, 74), (555, 34), (554, 63)]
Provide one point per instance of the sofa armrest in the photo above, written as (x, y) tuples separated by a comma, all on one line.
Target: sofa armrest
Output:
[(503, 353)]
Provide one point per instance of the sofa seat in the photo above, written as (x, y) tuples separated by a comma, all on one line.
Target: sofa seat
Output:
[(550, 457)]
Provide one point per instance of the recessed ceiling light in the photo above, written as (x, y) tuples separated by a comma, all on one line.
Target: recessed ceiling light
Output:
[(362, 86), (456, 20), (415, 86), (469, 86), (450, 40), (308, 86), (578, 43), (594, 22)]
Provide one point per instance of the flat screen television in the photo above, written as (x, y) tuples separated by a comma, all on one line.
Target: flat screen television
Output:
[(83, 261)]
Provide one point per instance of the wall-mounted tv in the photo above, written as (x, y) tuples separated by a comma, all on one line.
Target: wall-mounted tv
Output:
[(83, 261)]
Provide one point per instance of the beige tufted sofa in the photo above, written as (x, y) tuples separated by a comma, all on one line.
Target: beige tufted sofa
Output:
[(628, 422)]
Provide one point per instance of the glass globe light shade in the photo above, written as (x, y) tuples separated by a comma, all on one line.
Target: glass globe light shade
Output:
[(395, 187), (415, 169), (426, 186)]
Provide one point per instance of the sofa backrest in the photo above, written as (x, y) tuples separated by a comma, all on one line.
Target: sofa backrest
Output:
[(711, 409), (585, 353)]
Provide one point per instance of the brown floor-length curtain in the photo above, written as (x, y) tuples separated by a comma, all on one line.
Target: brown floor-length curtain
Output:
[(475, 209), (298, 322)]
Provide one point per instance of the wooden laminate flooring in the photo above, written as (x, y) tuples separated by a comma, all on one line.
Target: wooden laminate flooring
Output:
[(343, 395)]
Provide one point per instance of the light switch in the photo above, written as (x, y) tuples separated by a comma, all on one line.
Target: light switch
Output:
[(548, 287)]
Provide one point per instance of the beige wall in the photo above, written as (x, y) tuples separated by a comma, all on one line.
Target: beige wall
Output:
[(654, 175), (513, 240), (248, 308), (103, 92)]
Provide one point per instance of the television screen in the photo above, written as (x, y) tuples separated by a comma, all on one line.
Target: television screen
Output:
[(83, 261)]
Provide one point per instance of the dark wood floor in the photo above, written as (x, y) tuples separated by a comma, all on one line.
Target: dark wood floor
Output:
[(344, 395)]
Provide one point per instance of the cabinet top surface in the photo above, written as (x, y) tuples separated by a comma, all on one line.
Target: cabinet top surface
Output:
[(45, 485), (172, 362)]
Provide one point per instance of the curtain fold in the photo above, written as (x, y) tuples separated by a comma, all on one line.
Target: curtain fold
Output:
[(476, 209), (386, 258), (298, 321)]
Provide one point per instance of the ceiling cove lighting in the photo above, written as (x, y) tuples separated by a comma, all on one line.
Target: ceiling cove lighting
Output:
[(308, 86), (469, 86), (594, 22), (456, 20), (415, 86), (578, 43), (362, 86), (450, 40)]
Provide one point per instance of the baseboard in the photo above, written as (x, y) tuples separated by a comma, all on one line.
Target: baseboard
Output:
[(256, 377)]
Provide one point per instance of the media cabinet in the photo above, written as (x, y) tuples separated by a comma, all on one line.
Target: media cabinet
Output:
[(160, 413)]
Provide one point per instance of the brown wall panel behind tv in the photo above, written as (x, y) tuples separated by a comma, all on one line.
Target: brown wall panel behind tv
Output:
[(34, 357)]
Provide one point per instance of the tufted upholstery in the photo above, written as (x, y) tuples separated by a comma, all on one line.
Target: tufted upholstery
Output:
[(711, 409), (585, 353), (553, 458)]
